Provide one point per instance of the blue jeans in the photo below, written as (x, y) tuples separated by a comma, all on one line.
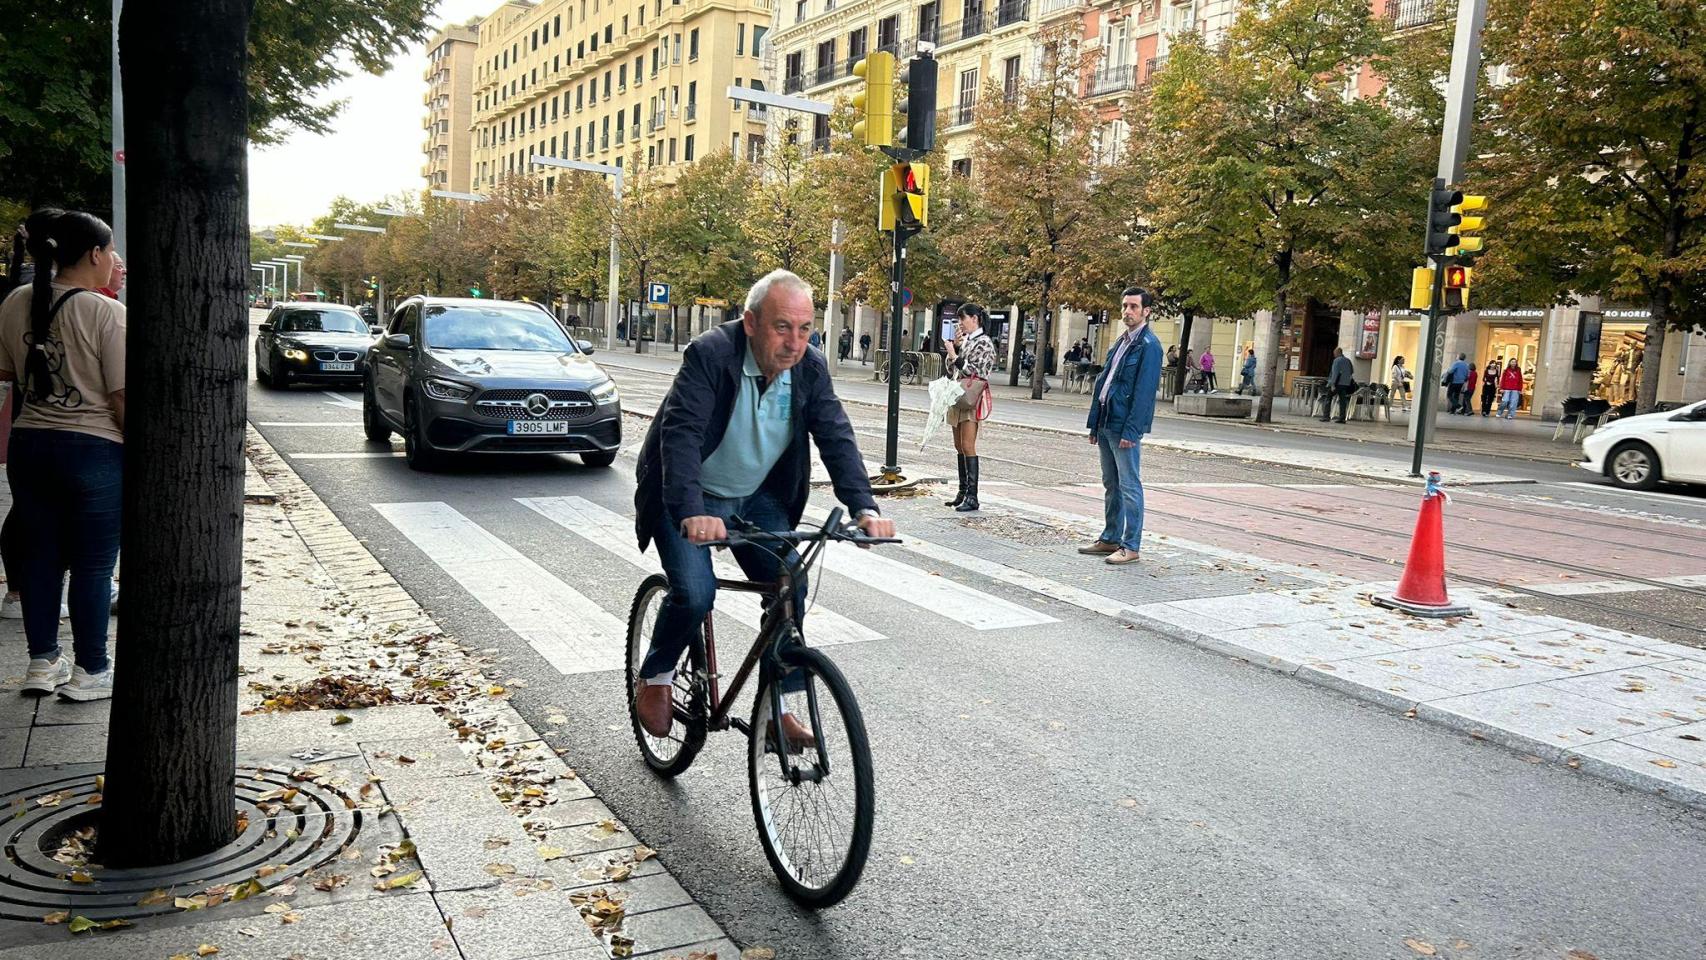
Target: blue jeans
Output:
[(1122, 486), (1509, 402), (67, 496), (693, 582)]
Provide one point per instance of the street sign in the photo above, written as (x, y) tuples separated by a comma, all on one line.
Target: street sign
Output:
[(710, 301), (658, 293), (906, 298)]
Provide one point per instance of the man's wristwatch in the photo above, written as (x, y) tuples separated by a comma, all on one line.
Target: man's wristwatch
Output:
[(867, 512)]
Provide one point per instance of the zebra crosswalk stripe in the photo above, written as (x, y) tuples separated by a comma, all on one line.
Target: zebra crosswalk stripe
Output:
[(572, 632)]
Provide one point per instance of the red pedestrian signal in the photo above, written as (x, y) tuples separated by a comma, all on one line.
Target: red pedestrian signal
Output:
[(1457, 281)]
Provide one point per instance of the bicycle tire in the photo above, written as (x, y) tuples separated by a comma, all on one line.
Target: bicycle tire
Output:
[(855, 757), (909, 372), (691, 716)]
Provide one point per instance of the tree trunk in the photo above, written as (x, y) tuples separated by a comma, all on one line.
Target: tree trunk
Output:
[(1184, 346), (171, 752), (1652, 357), (1271, 352), (1045, 334), (1015, 346)]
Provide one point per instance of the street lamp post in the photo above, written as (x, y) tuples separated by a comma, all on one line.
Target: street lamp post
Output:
[(615, 279), (284, 266), (297, 259)]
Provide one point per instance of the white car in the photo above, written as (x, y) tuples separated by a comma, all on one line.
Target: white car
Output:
[(1638, 452)]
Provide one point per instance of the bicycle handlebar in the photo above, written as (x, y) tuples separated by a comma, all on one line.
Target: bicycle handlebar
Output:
[(743, 533)]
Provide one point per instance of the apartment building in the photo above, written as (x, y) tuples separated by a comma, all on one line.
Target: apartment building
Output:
[(614, 81), (449, 101), (976, 42)]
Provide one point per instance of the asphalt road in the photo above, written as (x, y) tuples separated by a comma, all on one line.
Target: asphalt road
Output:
[(1074, 788)]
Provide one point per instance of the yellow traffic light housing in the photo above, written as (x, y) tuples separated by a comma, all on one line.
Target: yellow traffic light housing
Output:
[(875, 103), (904, 197), (1421, 288), (1468, 245)]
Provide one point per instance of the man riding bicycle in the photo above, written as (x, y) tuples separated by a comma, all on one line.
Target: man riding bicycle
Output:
[(730, 440)]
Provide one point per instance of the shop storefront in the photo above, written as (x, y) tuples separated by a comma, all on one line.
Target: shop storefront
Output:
[(1505, 334), (1613, 345)]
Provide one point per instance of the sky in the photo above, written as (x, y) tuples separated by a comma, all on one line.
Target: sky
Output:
[(374, 148)]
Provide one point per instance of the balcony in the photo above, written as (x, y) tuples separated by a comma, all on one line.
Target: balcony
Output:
[(657, 123), (826, 73), (604, 142), (963, 114), (692, 111), (973, 25), (1409, 14), (1010, 12), (1150, 66), (793, 83), (1054, 8), (757, 112), (1113, 79)]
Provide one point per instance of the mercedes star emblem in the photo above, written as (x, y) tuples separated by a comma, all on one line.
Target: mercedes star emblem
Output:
[(538, 404)]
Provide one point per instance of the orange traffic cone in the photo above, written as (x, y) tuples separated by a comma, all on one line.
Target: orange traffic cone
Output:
[(1421, 591)]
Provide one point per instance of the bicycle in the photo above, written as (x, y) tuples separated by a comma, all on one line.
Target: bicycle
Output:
[(818, 861)]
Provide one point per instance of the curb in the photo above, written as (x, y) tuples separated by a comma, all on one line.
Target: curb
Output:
[(337, 550), (1681, 794)]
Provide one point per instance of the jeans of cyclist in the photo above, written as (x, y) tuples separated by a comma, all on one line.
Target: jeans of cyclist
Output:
[(67, 494), (693, 582)]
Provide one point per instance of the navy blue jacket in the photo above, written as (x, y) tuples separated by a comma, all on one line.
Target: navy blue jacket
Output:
[(690, 425), (1130, 410)]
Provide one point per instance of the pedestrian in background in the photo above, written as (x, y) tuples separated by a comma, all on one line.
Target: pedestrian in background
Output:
[(115, 282), (817, 340), (20, 272), (1510, 384), (1455, 377), (971, 358), (864, 348), (65, 345), (1121, 412), (1247, 375), (1206, 364), (1341, 383), (845, 343), (1490, 385), (1469, 393), (1398, 379)]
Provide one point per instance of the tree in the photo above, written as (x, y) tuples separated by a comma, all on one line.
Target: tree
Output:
[(788, 220), (640, 225), (171, 752), (713, 252), (1601, 152), (57, 108), (1033, 163), (1267, 182)]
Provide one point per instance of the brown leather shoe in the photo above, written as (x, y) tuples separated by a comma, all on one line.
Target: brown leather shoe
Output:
[(1100, 548), (1121, 556), (655, 706), (798, 736)]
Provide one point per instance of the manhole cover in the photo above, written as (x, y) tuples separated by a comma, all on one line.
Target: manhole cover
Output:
[(1020, 530), (293, 832)]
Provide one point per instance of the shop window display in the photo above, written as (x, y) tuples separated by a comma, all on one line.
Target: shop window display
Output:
[(1621, 349)]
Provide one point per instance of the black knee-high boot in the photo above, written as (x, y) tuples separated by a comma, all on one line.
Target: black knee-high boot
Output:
[(961, 495), (970, 501)]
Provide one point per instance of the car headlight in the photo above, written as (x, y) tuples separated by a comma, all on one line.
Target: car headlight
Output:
[(447, 389), (605, 392), (294, 353)]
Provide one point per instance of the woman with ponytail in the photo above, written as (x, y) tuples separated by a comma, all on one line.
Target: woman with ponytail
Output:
[(62, 345)]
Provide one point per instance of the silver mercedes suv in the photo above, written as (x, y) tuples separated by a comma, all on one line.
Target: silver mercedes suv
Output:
[(456, 375)]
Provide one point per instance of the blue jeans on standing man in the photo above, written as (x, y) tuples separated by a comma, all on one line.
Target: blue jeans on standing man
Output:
[(693, 581), (1122, 496), (67, 495)]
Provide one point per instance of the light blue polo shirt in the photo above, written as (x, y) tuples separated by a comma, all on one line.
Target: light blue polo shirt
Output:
[(759, 431)]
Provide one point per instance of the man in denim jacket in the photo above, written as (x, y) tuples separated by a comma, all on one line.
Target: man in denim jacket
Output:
[(1121, 412)]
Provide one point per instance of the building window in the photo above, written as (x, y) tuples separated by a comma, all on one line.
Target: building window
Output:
[(758, 35), (740, 40), (888, 33), (622, 76), (734, 147), (609, 32), (693, 45), (535, 42), (654, 62), (856, 47), (553, 146), (676, 57), (825, 62), (625, 21), (639, 66), (968, 98), (792, 71), (556, 26), (671, 149), (687, 149), (929, 19), (580, 50), (799, 11), (1010, 79), (962, 167), (607, 84)]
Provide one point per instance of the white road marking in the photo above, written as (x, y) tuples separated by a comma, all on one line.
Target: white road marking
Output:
[(1670, 498), (363, 455), (938, 595), (615, 534), (570, 631), (1580, 588), (340, 399), (1692, 580), (309, 423), (1094, 602)]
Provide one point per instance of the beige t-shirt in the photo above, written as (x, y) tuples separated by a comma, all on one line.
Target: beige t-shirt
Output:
[(85, 358)]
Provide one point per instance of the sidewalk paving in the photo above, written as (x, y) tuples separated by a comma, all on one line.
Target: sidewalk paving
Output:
[(468, 836)]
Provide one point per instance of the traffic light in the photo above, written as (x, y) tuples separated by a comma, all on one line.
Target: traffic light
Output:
[(905, 199), (1457, 281), (918, 108), (1468, 218), (1443, 219), (1421, 288), (876, 101)]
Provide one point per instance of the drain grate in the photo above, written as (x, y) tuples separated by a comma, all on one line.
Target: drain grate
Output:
[(293, 835)]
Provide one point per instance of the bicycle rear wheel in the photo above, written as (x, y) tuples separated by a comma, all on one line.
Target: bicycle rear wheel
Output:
[(668, 755), (814, 808)]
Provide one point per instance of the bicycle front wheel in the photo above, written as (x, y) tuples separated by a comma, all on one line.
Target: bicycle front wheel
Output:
[(814, 804), (671, 754)]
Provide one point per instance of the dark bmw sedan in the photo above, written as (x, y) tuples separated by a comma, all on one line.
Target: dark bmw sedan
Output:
[(487, 376), (311, 342)]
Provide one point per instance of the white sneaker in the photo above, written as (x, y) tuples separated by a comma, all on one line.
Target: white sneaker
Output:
[(88, 686), (12, 608), (44, 675)]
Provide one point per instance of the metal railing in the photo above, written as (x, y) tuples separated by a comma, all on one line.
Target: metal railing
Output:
[(657, 120), (820, 145), (973, 24), (1049, 8), (825, 73), (964, 113), (793, 83), (1009, 12), (1152, 65), (1119, 78), (1408, 14)]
